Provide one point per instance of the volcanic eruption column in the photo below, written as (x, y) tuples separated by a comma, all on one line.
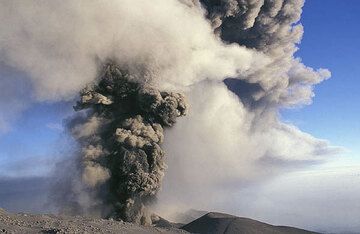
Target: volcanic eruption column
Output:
[(122, 154)]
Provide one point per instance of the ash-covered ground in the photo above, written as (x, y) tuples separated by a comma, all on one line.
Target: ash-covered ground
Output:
[(31, 223), (214, 223)]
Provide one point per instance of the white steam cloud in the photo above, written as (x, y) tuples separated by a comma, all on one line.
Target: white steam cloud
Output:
[(58, 43)]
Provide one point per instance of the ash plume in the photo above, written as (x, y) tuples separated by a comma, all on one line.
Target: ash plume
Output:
[(121, 160), (269, 26), (235, 62)]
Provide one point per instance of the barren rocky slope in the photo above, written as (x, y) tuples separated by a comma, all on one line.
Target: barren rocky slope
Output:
[(29, 223), (212, 223)]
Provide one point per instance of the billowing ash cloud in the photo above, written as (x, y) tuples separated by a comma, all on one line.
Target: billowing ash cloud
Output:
[(233, 59), (269, 26), (122, 163)]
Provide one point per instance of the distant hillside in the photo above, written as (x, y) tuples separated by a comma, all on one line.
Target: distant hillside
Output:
[(218, 223), (189, 216)]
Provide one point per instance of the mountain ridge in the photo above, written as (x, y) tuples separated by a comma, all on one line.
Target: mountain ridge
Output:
[(220, 223)]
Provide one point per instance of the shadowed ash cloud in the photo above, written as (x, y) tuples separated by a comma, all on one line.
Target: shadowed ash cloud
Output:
[(121, 160)]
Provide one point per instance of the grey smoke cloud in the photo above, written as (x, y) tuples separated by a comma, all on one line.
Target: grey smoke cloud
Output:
[(121, 160), (180, 46), (270, 27)]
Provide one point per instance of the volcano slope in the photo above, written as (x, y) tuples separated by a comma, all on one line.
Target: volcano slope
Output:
[(219, 223), (212, 223), (31, 224)]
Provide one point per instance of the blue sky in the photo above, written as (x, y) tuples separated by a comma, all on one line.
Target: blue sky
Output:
[(331, 40), (33, 138)]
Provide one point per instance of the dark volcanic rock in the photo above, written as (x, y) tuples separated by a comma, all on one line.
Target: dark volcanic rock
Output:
[(218, 223)]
